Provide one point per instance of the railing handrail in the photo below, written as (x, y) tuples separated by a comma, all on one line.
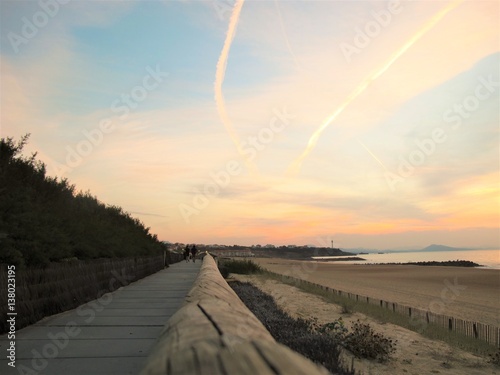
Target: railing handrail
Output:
[(215, 333)]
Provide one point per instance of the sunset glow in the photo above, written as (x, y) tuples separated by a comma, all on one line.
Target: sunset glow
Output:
[(367, 123)]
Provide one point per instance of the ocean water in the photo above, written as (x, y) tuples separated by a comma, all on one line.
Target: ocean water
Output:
[(487, 258)]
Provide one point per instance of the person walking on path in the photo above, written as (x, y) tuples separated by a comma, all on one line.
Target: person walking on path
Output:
[(193, 252), (186, 253)]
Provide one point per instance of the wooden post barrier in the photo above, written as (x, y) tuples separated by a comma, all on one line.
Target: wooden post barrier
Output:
[(215, 333)]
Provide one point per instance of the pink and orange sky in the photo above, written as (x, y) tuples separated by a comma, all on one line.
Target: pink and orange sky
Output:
[(368, 123)]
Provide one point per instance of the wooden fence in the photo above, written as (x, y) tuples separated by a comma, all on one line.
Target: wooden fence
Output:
[(63, 286), (174, 257), (480, 331), (215, 333)]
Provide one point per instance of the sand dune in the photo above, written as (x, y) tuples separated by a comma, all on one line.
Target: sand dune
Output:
[(466, 293)]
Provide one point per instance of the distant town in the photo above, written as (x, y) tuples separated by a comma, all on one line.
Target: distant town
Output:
[(264, 251)]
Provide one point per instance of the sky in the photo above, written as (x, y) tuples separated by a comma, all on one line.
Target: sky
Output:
[(371, 124)]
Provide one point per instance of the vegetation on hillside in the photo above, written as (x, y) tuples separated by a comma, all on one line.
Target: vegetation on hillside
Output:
[(43, 219)]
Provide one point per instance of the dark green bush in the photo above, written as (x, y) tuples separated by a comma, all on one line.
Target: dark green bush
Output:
[(224, 271), (244, 267), (43, 219), (495, 358), (362, 340)]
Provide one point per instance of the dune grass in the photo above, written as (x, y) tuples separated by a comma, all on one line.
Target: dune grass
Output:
[(243, 267)]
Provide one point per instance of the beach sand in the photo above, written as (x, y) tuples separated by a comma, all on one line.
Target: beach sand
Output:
[(415, 354), (466, 293)]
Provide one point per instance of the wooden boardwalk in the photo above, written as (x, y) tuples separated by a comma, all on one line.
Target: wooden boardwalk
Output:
[(111, 335)]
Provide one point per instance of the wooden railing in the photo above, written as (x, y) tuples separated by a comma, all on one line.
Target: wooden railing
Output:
[(215, 333)]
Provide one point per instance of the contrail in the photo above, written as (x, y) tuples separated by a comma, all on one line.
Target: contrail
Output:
[(285, 35), (219, 79), (296, 165), (372, 155)]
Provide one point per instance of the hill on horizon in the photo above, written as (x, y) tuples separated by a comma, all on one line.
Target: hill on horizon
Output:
[(435, 247)]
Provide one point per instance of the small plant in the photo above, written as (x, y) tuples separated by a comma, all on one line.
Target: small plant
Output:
[(446, 364), (346, 308), (495, 358), (362, 340), (336, 329)]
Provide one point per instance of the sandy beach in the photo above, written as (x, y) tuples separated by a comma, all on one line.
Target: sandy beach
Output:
[(414, 355), (466, 293)]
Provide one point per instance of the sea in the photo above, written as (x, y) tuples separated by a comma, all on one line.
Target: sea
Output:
[(489, 259)]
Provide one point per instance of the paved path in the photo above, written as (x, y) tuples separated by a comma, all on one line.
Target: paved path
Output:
[(111, 335)]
